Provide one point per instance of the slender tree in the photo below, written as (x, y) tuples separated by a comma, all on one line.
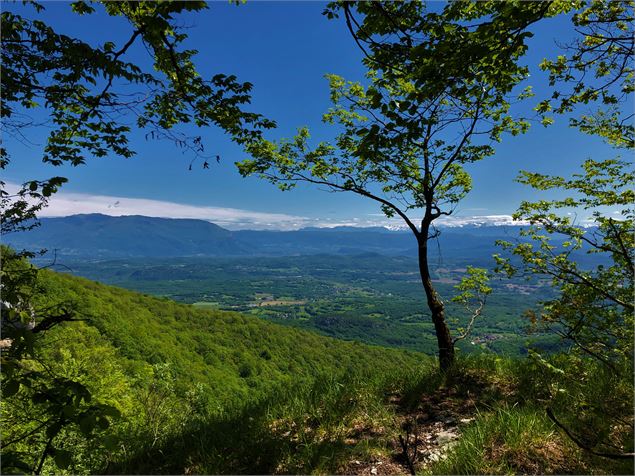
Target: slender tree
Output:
[(437, 97)]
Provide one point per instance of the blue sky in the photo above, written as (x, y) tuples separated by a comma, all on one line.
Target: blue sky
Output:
[(284, 49)]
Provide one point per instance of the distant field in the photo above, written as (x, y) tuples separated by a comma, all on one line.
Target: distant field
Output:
[(205, 305), (371, 298), (276, 303)]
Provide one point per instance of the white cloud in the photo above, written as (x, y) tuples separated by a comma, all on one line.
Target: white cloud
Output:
[(450, 221), (481, 220), (65, 203)]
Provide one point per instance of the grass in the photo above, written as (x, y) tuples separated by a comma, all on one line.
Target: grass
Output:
[(321, 427), (509, 441), (512, 433), (314, 428)]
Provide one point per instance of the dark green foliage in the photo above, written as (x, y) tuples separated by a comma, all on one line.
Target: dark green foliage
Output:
[(429, 110), (82, 84), (512, 433), (55, 402), (94, 96), (593, 304), (596, 70)]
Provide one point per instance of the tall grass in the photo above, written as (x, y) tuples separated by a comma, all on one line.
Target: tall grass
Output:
[(316, 427), (319, 427), (508, 441)]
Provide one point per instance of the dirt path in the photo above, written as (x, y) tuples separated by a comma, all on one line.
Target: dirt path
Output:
[(428, 430)]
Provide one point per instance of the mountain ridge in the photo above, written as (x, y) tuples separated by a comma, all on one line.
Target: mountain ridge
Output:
[(105, 236)]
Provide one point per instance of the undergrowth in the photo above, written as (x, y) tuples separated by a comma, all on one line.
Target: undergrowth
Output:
[(315, 428)]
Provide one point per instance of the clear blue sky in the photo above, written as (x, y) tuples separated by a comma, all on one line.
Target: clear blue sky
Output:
[(284, 49)]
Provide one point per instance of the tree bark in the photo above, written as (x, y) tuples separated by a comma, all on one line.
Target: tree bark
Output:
[(435, 304)]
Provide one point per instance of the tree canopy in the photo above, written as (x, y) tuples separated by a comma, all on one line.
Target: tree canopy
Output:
[(90, 98), (588, 263)]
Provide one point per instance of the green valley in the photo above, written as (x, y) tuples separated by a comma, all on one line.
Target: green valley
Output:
[(370, 298), (216, 392), (168, 367)]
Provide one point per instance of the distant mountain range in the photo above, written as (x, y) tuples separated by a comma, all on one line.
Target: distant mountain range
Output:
[(103, 237)]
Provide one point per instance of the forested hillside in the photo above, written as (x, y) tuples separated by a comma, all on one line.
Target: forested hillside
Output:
[(370, 298), (167, 367)]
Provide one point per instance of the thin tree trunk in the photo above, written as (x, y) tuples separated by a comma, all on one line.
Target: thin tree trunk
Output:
[(435, 304)]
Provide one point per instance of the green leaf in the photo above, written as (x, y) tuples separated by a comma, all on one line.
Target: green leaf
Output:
[(103, 423), (10, 388), (110, 442), (63, 458), (87, 424)]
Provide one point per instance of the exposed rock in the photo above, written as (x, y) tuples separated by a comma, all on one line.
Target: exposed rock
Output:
[(446, 436)]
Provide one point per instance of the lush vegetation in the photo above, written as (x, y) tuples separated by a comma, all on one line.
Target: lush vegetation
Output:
[(427, 110), (166, 367), (100, 379), (199, 391)]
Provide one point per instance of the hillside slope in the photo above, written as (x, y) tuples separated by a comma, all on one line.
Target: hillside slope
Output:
[(173, 371), (205, 392), (233, 354)]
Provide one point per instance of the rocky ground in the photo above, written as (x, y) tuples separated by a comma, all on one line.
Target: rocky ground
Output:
[(429, 428)]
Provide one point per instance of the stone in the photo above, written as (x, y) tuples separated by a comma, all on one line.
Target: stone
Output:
[(445, 436)]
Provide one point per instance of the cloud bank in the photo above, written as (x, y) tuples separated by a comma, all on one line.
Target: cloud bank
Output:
[(65, 204)]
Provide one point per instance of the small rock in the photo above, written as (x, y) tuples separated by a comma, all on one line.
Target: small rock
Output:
[(444, 437), (356, 462), (466, 420), (373, 471)]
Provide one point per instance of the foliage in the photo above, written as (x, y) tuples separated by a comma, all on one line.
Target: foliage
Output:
[(214, 392), (508, 441), (474, 291), (372, 299), (91, 97), (593, 307), (144, 357), (596, 69), (19, 209), (55, 401), (511, 433)]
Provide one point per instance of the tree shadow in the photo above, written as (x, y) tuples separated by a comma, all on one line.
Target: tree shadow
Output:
[(247, 442)]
